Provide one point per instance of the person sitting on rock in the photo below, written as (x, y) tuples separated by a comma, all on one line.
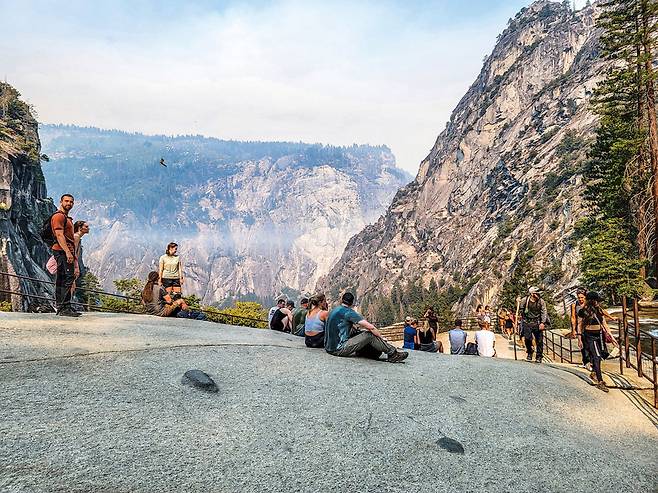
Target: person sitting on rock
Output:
[(457, 338), (315, 321), (410, 334), (347, 333), (299, 318), (486, 342), (280, 303), (282, 318), (157, 301), (426, 339)]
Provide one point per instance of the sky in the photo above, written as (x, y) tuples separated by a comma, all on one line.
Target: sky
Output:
[(366, 72)]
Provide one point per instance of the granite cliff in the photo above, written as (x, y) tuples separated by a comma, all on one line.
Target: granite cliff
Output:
[(23, 202), (253, 219), (502, 179)]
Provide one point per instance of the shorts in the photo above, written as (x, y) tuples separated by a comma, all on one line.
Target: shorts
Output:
[(170, 283), (316, 341)]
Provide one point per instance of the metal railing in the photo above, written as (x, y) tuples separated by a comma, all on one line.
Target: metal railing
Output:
[(634, 353), (213, 315)]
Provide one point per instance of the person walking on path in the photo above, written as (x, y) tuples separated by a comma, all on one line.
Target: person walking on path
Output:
[(575, 322), (171, 270), (534, 318), (315, 321), (347, 333), (64, 252), (590, 336), (457, 338)]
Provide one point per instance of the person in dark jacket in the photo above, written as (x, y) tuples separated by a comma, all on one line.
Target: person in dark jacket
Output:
[(534, 318)]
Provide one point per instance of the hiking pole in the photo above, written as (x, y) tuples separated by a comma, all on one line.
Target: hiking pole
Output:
[(516, 323)]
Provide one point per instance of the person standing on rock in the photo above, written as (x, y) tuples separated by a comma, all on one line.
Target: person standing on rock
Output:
[(64, 252), (171, 271), (534, 317), (432, 320), (590, 336), (80, 228), (347, 333)]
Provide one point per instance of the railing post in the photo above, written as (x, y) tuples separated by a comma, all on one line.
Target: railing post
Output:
[(514, 342), (561, 350), (638, 338), (655, 372), (627, 349), (570, 350), (620, 325)]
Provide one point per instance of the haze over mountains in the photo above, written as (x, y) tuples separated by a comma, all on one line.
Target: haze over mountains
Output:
[(253, 219)]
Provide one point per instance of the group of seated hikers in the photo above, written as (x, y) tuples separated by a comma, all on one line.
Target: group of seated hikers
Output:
[(340, 331), (158, 301)]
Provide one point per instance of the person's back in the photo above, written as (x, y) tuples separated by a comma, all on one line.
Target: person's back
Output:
[(156, 305), (409, 335), (298, 321), (486, 341), (338, 327), (457, 338)]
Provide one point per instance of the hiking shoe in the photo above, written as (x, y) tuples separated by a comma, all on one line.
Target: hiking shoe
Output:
[(592, 376), (67, 312), (602, 386), (397, 356)]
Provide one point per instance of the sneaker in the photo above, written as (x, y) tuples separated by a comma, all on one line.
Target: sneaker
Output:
[(602, 386), (538, 360), (397, 356), (529, 358), (592, 377), (67, 312)]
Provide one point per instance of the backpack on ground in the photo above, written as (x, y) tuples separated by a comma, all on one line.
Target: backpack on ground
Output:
[(472, 349), (47, 234)]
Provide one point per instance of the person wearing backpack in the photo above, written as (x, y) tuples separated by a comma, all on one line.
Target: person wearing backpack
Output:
[(58, 233), (534, 319)]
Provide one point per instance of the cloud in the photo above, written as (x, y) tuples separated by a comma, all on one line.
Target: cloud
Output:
[(332, 72)]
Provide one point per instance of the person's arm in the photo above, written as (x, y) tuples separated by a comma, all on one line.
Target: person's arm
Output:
[(160, 270), (544, 315), (607, 316), (369, 327), (579, 332), (180, 271), (324, 315)]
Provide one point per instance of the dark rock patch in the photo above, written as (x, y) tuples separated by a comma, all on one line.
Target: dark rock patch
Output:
[(200, 380), (452, 446)]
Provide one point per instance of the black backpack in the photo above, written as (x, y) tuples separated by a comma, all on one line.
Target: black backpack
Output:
[(47, 234), (472, 349)]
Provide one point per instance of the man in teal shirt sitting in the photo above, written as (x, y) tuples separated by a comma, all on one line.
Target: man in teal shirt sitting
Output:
[(347, 333)]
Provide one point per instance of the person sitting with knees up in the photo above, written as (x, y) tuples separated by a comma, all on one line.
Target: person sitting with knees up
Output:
[(282, 318), (347, 333), (157, 301)]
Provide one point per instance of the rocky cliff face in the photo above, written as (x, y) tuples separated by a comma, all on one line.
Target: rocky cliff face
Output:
[(252, 219), (502, 178), (23, 203)]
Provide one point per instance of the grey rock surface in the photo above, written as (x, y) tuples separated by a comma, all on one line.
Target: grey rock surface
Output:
[(96, 404)]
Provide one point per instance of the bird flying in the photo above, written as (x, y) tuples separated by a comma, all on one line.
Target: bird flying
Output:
[(162, 162)]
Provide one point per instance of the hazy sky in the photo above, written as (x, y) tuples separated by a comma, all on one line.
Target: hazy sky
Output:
[(378, 72)]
